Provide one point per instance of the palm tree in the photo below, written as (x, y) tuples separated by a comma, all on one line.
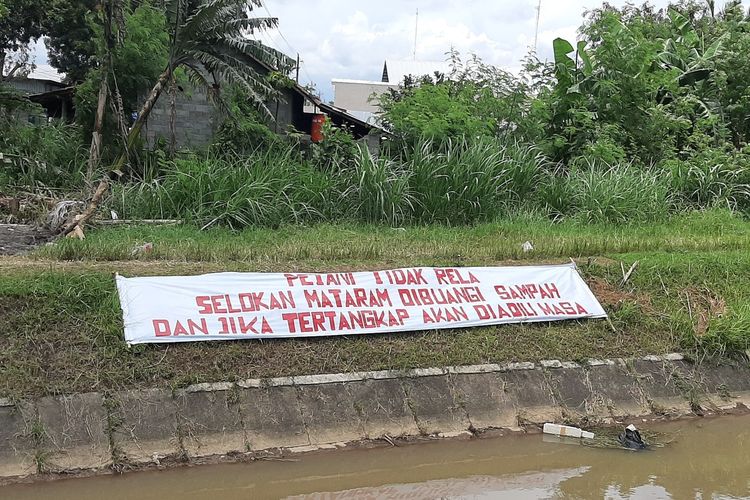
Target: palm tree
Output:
[(209, 41)]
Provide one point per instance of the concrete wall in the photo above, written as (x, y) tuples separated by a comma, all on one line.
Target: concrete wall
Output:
[(353, 95), (297, 414), (197, 119)]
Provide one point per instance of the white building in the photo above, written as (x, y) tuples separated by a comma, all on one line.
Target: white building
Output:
[(360, 97)]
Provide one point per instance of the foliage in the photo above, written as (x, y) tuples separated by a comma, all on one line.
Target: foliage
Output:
[(598, 192), (712, 177), (475, 100), (70, 38), (260, 188), (244, 128), (43, 155), (468, 181), (337, 150), (377, 190), (137, 63), (21, 23)]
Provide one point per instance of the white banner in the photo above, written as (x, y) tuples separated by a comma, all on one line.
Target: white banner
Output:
[(229, 306)]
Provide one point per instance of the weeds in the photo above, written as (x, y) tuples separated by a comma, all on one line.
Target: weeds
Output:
[(454, 182)]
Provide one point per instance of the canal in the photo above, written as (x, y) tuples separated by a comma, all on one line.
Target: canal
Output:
[(709, 458)]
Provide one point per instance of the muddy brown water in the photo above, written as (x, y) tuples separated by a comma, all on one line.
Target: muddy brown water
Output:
[(708, 459)]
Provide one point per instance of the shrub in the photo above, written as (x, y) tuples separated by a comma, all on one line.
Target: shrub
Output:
[(378, 190), (711, 177), (618, 194), (42, 155), (463, 182)]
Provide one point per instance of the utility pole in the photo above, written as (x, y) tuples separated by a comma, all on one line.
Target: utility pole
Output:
[(296, 78), (416, 30), (536, 31)]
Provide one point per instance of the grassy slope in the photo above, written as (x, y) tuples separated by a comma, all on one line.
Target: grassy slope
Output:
[(60, 323)]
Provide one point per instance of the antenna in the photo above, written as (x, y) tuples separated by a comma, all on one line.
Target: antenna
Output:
[(416, 31), (536, 31)]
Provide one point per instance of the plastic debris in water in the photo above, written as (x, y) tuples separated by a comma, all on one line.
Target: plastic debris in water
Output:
[(631, 438), (566, 431)]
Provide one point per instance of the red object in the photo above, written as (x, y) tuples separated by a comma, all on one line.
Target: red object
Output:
[(316, 131)]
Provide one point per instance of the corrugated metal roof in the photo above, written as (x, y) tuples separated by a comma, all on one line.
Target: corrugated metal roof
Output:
[(397, 70)]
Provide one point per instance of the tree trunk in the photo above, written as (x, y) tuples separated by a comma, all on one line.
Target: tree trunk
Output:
[(117, 168), (96, 137), (172, 117)]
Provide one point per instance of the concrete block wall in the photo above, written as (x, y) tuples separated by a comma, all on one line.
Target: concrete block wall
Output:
[(295, 414), (196, 119)]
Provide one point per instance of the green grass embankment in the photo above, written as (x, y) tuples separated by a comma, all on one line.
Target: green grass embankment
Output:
[(61, 326)]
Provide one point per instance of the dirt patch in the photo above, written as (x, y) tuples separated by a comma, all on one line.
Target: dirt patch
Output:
[(703, 305), (21, 238), (613, 296)]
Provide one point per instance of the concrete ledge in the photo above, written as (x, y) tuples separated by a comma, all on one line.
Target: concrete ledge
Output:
[(382, 408), (146, 425), (302, 413), (209, 422), (272, 418), (17, 447), (74, 432)]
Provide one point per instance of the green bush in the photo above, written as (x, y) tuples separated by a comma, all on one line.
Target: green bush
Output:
[(264, 188), (602, 193), (464, 182), (42, 155), (711, 177)]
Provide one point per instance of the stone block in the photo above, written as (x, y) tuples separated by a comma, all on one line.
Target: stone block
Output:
[(664, 385), (431, 400), (16, 444), (570, 390), (485, 398), (382, 407), (272, 417), (75, 431), (615, 392), (532, 395), (146, 424), (329, 413), (725, 385), (210, 422)]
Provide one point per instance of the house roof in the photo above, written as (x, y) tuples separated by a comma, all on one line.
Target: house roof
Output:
[(65, 92), (316, 101), (394, 71)]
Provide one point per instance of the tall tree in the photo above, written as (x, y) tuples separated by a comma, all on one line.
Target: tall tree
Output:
[(70, 37), (21, 23), (111, 13), (208, 40)]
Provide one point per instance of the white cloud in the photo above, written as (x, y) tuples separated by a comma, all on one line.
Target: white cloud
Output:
[(352, 38)]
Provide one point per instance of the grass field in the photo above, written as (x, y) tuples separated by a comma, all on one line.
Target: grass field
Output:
[(61, 326)]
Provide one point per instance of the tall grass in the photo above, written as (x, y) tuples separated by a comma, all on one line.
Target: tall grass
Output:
[(263, 188), (377, 190), (464, 182), (41, 155), (452, 183), (711, 179), (598, 192)]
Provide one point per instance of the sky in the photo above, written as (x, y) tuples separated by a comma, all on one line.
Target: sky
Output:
[(351, 38)]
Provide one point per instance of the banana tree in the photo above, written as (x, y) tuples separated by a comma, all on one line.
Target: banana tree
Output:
[(688, 51), (209, 41)]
